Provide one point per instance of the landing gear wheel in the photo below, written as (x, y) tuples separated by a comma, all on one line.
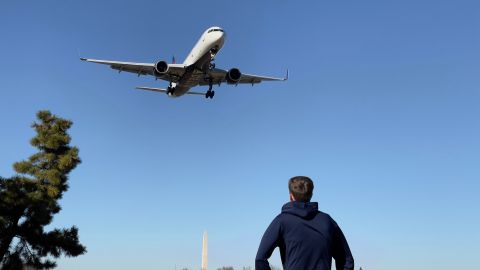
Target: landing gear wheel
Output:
[(209, 94)]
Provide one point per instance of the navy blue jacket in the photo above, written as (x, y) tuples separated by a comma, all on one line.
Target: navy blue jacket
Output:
[(307, 238)]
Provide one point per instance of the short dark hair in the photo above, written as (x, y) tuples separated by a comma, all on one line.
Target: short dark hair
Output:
[(301, 187)]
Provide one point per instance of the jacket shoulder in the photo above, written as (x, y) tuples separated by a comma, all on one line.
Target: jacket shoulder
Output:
[(326, 217)]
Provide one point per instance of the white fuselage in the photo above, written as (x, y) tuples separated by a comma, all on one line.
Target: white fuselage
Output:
[(212, 38), (199, 59)]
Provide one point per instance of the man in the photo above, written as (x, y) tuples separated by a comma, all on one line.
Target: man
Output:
[(307, 238)]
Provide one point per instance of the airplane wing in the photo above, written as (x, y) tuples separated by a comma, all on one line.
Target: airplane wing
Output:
[(219, 76), (165, 90), (175, 71)]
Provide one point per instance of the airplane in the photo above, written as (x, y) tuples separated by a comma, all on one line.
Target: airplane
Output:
[(198, 69)]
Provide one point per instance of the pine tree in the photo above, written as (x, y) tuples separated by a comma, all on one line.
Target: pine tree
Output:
[(29, 200)]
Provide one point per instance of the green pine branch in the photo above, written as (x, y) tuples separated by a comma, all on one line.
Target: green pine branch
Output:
[(29, 200)]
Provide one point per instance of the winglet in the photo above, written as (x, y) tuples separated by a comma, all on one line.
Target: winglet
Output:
[(286, 77), (83, 59)]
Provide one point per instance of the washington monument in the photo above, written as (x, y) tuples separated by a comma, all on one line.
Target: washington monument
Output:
[(205, 251)]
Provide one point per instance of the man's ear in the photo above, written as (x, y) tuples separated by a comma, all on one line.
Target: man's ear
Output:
[(292, 199)]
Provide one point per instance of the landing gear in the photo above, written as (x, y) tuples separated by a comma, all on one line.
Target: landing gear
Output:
[(213, 52), (210, 93)]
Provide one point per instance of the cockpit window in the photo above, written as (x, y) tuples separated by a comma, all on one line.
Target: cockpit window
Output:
[(215, 30)]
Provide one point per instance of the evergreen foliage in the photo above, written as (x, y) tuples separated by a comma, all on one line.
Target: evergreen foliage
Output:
[(29, 200)]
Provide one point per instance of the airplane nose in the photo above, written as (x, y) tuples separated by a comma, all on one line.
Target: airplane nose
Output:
[(221, 38)]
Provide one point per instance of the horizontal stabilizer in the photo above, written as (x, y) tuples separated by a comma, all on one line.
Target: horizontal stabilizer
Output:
[(165, 90), (195, 93), (152, 89)]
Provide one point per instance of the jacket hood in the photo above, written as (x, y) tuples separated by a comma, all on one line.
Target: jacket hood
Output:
[(304, 210)]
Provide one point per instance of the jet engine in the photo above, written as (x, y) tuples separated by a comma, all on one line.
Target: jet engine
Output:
[(161, 67), (233, 76)]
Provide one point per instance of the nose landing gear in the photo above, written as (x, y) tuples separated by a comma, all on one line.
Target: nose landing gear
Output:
[(213, 52)]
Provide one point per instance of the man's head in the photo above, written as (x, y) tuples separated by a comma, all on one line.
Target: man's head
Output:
[(301, 188)]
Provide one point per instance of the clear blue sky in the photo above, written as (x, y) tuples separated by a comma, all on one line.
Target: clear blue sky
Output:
[(381, 110)]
